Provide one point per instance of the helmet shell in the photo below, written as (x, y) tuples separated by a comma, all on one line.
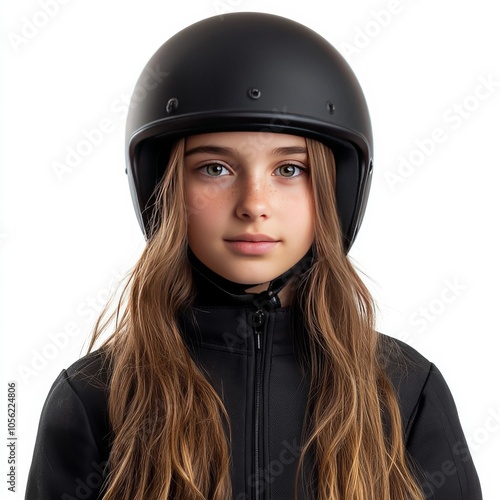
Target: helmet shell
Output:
[(250, 72)]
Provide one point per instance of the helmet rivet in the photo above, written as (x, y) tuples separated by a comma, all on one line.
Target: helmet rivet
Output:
[(254, 93), (330, 107), (172, 105)]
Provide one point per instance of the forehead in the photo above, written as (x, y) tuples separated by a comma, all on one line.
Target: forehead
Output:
[(246, 141)]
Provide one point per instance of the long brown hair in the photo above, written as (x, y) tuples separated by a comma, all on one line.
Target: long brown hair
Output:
[(349, 390), (171, 434)]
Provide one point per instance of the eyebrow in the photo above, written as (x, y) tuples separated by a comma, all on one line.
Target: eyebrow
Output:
[(220, 150), (289, 150)]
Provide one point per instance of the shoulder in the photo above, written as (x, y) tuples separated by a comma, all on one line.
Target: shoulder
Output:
[(73, 439), (409, 372), (91, 373), (402, 363), (414, 378), (434, 437), (86, 379), (80, 393)]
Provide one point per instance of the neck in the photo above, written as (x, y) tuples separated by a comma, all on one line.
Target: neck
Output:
[(213, 289)]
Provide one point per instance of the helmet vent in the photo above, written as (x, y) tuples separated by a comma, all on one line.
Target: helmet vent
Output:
[(254, 93), (330, 107), (172, 105)]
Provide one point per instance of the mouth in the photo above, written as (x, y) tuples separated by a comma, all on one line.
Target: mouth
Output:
[(252, 244), (254, 238)]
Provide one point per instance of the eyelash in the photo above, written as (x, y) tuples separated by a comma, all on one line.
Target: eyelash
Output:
[(298, 168), (203, 168)]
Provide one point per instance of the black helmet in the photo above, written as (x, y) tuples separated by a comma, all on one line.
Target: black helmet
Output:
[(250, 72)]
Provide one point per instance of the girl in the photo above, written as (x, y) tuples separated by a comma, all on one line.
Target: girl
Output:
[(244, 362)]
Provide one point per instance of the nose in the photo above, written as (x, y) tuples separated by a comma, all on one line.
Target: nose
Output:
[(254, 199)]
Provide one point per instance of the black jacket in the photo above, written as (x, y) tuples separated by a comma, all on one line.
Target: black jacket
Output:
[(251, 361)]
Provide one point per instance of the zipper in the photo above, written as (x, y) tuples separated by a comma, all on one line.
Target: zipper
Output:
[(258, 322)]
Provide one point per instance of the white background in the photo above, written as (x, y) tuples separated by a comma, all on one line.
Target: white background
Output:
[(428, 245)]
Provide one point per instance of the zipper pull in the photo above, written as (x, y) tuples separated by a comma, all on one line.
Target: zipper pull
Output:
[(258, 318)]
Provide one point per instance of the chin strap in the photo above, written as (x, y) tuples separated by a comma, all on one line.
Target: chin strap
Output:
[(267, 299), (270, 296)]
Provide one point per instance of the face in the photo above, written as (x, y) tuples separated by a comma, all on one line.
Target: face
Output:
[(249, 202)]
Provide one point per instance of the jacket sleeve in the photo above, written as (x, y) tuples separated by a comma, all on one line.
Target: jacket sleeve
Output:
[(67, 463), (437, 445)]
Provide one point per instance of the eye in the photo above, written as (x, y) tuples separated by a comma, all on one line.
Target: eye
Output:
[(289, 170), (214, 170)]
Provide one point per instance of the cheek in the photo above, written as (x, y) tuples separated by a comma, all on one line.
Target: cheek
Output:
[(206, 209), (300, 215), (197, 200), (200, 196)]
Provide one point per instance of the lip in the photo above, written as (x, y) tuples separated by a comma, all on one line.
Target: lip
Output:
[(252, 244), (252, 237)]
